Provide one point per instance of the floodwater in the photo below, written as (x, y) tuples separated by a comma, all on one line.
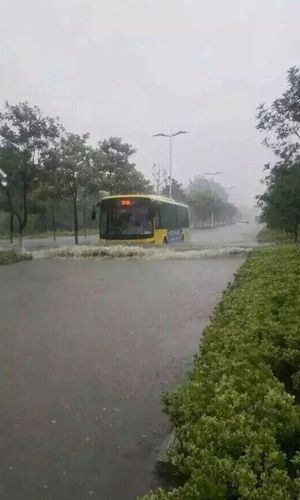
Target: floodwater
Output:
[(234, 235)]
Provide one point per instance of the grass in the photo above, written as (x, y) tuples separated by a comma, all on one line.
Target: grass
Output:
[(237, 418), (266, 235), (11, 257)]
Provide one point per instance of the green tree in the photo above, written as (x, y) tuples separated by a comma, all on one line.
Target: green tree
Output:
[(206, 207), (74, 169), (8, 186), (201, 206), (178, 193), (208, 201), (281, 120), (116, 173), (52, 188), (25, 135), (160, 178), (280, 203), (202, 185)]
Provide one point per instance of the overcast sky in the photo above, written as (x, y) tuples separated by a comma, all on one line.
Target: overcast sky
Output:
[(132, 68)]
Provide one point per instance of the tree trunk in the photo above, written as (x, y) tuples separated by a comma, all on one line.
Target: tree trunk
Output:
[(24, 207), (53, 221), (296, 236), (84, 216), (20, 234), (11, 228), (75, 220)]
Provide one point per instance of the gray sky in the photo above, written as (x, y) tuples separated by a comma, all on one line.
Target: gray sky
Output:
[(132, 68)]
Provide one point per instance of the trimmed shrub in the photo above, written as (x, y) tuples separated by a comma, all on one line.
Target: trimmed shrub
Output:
[(236, 420)]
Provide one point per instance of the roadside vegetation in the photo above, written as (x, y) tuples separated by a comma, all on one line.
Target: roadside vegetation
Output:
[(237, 419), (280, 122), (267, 235), (11, 257)]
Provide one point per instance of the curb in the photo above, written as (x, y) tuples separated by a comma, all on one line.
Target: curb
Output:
[(163, 466)]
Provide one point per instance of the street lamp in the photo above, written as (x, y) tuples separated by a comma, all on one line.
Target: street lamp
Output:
[(212, 176), (170, 136)]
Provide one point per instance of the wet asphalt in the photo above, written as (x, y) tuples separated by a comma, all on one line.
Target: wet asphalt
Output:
[(86, 348)]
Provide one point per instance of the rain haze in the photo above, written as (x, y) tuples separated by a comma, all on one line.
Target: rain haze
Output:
[(111, 268), (134, 68)]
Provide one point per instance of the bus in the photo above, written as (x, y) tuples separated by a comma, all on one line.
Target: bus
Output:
[(142, 219)]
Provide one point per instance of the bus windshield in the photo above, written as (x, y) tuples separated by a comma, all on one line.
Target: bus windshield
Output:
[(125, 218)]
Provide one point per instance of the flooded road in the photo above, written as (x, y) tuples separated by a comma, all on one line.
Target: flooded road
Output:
[(233, 235), (236, 234), (87, 347)]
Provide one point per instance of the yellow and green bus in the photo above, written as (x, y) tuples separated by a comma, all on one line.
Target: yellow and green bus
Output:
[(143, 219)]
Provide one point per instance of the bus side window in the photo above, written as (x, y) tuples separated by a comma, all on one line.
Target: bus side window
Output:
[(157, 217), (103, 220), (168, 216), (182, 217)]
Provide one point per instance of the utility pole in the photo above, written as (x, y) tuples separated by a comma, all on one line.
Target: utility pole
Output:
[(170, 136)]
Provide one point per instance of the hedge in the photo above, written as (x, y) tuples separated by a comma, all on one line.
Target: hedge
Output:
[(236, 420)]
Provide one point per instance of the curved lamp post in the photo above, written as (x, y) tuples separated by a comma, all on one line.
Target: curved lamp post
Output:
[(170, 136)]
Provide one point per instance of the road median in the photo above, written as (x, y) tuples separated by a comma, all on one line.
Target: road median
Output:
[(236, 420)]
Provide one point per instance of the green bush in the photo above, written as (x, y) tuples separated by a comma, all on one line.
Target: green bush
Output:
[(11, 257), (236, 420), (267, 235)]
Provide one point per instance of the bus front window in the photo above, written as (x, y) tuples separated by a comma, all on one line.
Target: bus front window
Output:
[(129, 220)]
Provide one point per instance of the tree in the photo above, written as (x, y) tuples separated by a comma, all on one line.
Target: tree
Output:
[(4, 204), (9, 185), (282, 120), (280, 204), (202, 185), (160, 177), (208, 208), (74, 169), (209, 202), (201, 206), (117, 175), (25, 135), (178, 193), (52, 188)]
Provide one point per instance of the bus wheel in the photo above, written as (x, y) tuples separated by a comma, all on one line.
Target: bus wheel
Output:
[(165, 241)]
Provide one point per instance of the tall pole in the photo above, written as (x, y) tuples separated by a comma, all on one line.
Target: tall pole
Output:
[(170, 136), (212, 216), (170, 171)]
